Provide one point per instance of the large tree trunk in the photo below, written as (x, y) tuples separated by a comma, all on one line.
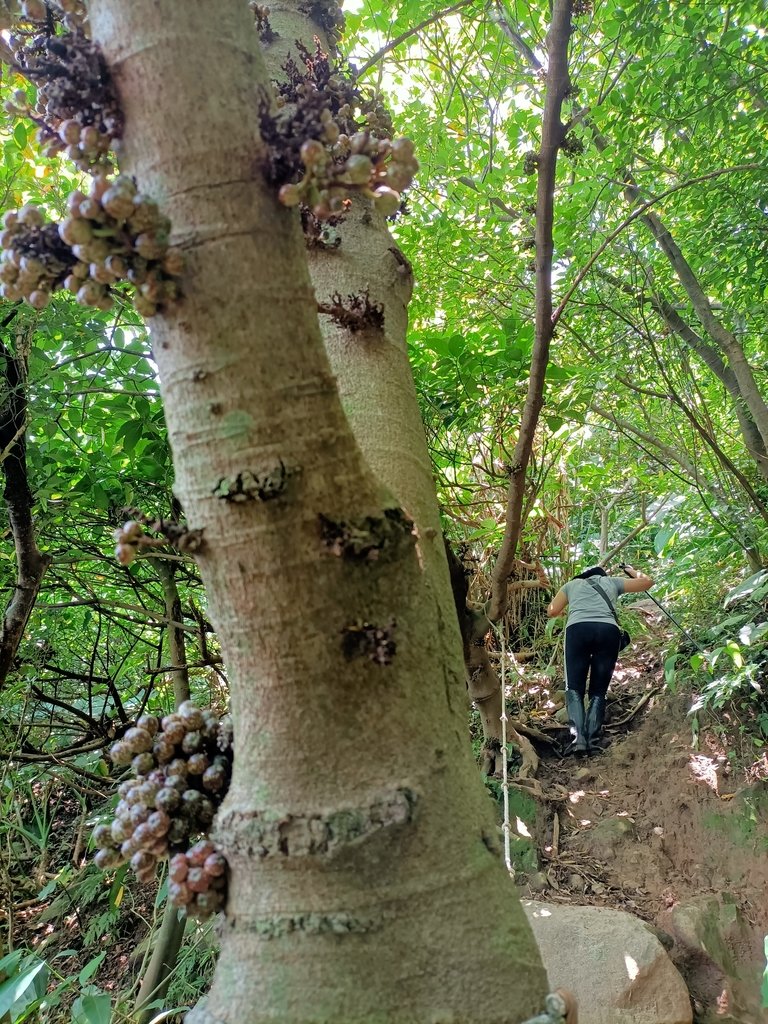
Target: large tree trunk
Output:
[(354, 795), (375, 381)]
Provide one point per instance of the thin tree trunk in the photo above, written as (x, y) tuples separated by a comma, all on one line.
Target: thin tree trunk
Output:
[(551, 139), (31, 564), (157, 977), (752, 439), (165, 954), (353, 795), (724, 338), (482, 679), (737, 377), (177, 651)]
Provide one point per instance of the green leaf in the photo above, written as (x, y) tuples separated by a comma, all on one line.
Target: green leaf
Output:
[(130, 433), (746, 590), (751, 632), (20, 135), (664, 539), (92, 1008), (10, 963), (456, 345), (100, 497), (26, 988), (91, 967)]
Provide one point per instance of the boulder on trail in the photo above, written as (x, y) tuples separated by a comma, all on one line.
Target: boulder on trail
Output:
[(614, 965), (717, 953)]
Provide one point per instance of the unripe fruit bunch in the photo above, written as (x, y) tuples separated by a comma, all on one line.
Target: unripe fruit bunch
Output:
[(76, 105), (377, 168), (111, 236), (181, 765)]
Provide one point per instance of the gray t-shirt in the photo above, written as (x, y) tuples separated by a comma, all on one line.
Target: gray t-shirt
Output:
[(584, 605)]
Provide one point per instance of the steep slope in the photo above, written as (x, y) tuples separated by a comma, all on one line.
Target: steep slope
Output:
[(668, 823)]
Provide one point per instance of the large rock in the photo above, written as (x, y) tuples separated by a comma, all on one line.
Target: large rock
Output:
[(719, 956), (604, 839), (617, 968)]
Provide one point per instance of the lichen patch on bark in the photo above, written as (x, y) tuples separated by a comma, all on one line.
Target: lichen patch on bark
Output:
[(262, 834)]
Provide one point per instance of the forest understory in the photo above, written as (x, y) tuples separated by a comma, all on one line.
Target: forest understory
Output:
[(672, 812)]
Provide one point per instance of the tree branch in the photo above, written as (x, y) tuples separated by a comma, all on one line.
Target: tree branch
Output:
[(394, 43), (92, 724), (664, 450), (702, 307), (517, 41), (639, 212), (725, 374), (708, 355), (552, 135)]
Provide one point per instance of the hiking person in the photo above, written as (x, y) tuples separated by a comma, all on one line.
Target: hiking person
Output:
[(593, 639)]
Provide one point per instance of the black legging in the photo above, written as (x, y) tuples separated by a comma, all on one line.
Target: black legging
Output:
[(591, 649)]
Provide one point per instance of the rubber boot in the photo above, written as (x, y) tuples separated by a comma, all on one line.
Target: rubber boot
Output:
[(595, 716), (575, 705)]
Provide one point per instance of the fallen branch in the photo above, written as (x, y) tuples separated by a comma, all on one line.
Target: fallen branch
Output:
[(555, 836), (533, 788)]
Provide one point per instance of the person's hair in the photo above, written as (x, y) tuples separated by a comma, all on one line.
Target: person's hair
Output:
[(593, 570)]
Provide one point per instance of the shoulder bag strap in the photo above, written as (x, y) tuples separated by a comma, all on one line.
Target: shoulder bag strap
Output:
[(599, 590)]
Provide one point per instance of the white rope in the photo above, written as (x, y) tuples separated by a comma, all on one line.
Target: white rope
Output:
[(556, 1008), (505, 828)]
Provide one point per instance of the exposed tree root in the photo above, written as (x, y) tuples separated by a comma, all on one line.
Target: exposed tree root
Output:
[(640, 704)]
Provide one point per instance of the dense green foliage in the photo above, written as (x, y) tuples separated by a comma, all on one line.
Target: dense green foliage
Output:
[(626, 397), (638, 450)]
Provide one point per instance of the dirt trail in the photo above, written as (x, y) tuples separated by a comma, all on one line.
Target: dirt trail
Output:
[(656, 821)]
